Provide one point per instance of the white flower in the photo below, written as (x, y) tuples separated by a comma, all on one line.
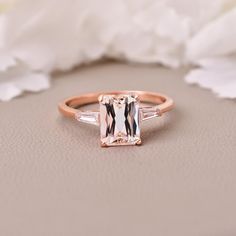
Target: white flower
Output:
[(49, 35)]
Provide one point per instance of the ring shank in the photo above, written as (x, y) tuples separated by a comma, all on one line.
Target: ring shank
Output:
[(69, 106)]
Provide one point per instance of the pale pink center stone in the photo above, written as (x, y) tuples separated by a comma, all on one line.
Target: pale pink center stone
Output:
[(119, 120)]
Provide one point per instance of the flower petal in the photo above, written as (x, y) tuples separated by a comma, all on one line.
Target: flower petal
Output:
[(217, 38), (8, 91), (219, 75), (19, 79)]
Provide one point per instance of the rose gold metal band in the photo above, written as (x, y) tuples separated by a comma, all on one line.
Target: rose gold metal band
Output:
[(70, 106)]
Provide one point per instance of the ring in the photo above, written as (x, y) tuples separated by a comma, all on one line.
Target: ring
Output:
[(120, 113)]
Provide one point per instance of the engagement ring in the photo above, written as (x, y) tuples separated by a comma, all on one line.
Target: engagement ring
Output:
[(120, 113)]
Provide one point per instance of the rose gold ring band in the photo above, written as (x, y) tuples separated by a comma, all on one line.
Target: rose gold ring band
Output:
[(69, 107)]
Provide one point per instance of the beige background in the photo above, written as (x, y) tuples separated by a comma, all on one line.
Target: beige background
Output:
[(56, 180)]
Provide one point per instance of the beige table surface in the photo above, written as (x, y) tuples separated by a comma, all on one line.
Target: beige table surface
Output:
[(56, 180)]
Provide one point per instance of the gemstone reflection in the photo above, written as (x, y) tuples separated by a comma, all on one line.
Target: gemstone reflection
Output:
[(119, 120)]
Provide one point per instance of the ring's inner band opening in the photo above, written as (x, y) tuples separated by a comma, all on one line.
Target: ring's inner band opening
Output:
[(85, 100), (69, 106)]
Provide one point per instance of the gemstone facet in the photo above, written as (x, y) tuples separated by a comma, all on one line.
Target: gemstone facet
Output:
[(119, 120)]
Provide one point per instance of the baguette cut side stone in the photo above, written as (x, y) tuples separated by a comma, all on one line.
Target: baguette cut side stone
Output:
[(89, 117), (119, 120)]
